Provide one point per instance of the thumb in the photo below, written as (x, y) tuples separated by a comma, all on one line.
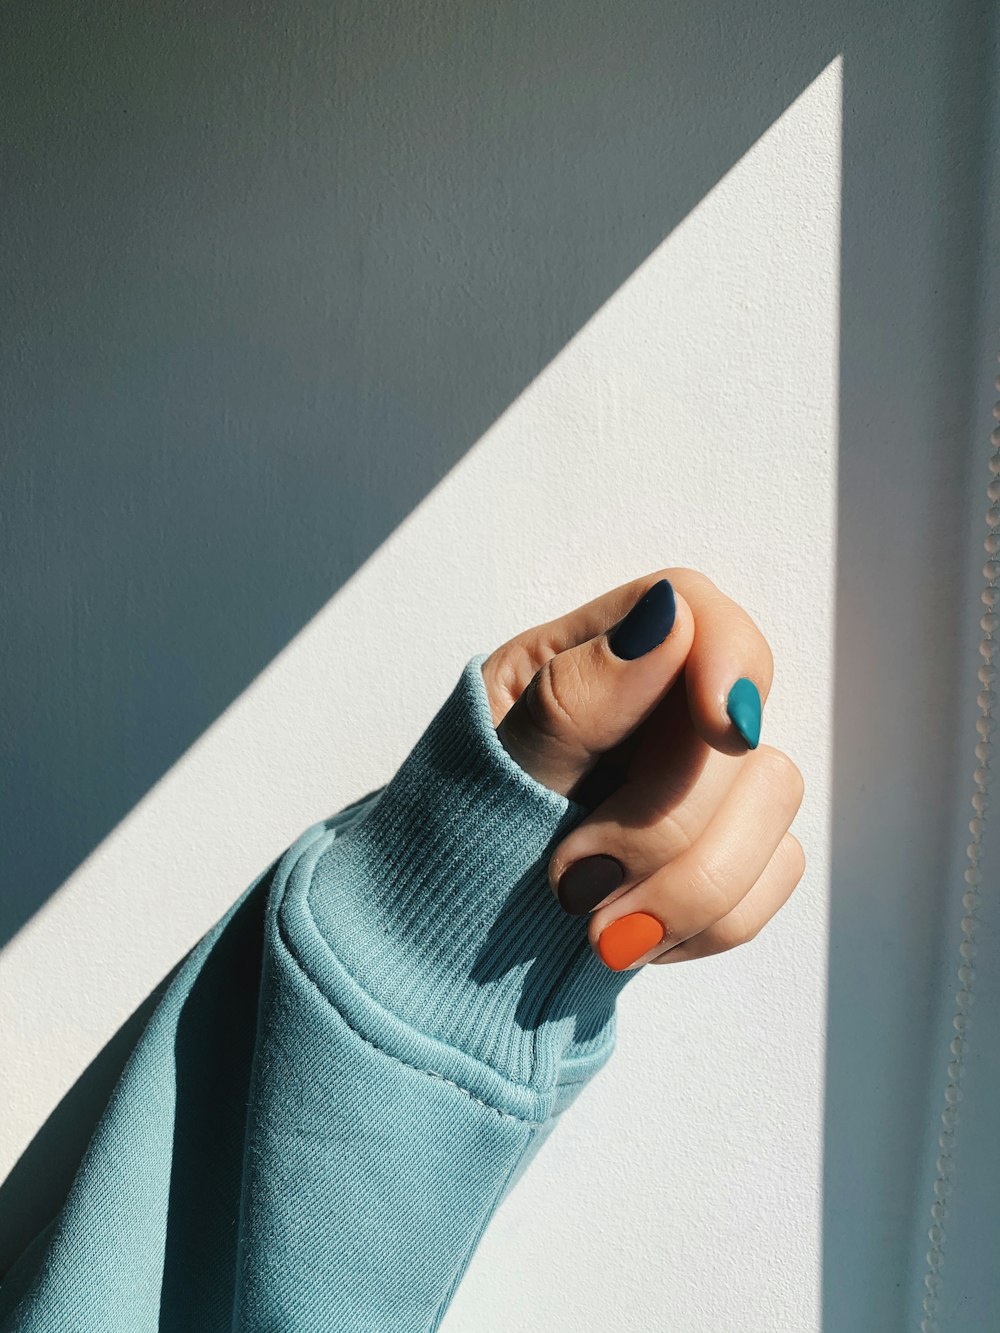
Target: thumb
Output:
[(570, 690)]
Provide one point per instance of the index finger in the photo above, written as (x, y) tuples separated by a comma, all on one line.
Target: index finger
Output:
[(730, 668)]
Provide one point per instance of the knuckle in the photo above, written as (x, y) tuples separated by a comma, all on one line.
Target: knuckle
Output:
[(508, 669), (733, 931), (670, 838), (502, 684), (706, 887), (548, 701)]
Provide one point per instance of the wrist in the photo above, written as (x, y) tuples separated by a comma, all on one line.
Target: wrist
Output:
[(436, 903)]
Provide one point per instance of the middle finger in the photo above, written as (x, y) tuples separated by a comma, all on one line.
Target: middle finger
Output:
[(673, 785)]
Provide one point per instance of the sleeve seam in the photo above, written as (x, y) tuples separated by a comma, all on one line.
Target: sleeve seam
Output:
[(281, 931), (459, 1276)]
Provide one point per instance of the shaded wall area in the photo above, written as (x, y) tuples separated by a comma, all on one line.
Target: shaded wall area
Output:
[(271, 272)]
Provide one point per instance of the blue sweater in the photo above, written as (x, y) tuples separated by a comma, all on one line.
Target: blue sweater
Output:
[(347, 1074)]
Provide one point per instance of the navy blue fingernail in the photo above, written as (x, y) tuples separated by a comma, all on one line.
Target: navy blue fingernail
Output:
[(647, 624)]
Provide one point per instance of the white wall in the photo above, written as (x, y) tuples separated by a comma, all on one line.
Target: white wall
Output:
[(352, 343)]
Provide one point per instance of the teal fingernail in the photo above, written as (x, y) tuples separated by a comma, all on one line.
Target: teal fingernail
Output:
[(743, 707)]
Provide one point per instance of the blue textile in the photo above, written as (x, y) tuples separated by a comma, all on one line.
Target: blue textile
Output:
[(346, 1075)]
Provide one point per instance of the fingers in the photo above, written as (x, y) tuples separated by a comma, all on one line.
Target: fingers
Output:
[(702, 885), (681, 854), (765, 899), (674, 785), (730, 667), (597, 674), (561, 698)]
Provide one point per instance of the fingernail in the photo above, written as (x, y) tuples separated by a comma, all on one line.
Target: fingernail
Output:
[(587, 882), (647, 624), (629, 938), (743, 707)]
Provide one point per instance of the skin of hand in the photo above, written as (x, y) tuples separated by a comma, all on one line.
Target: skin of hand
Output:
[(696, 819)]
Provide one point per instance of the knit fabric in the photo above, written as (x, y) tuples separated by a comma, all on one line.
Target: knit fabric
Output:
[(348, 1073)]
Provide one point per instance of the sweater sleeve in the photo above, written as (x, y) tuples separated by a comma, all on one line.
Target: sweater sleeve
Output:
[(348, 1073)]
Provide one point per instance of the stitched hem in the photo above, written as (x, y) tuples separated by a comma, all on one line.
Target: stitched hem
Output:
[(386, 1031)]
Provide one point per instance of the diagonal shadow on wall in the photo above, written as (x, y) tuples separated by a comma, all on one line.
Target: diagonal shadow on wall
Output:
[(272, 273)]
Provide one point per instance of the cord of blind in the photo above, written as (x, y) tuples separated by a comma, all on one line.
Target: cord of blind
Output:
[(986, 725)]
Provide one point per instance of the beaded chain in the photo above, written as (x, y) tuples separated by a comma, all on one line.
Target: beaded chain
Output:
[(985, 725)]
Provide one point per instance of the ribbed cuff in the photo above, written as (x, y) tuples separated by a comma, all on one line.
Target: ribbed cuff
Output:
[(436, 903)]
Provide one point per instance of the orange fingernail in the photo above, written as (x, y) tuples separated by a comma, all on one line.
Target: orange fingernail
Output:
[(629, 938)]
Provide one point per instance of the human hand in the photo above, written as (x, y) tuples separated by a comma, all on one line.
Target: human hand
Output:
[(628, 705)]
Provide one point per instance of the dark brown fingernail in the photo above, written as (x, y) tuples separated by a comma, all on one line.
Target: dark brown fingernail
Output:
[(586, 883)]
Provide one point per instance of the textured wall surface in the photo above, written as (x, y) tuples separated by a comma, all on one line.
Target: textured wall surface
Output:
[(347, 342)]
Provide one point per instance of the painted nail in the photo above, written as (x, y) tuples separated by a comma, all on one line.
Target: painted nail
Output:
[(629, 938), (647, 624), (587, 882), (743, 707)]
